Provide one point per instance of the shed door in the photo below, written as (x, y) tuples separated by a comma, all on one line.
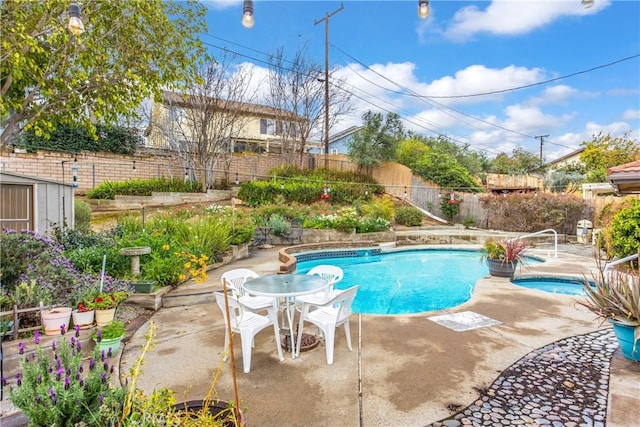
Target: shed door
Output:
[(16, 206)]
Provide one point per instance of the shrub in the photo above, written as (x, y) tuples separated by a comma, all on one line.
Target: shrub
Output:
[(409, 216), (450, 208), (624, 232), (64, 389), (279, 224), (142, 187), (527, 213), (82, 215), (382, 207)]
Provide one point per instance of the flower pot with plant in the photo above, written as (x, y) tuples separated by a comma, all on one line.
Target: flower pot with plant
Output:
[(59, 386), (614, 296), (55, 319), (503, 256), (105, 305), (84, 313), (109, 337)]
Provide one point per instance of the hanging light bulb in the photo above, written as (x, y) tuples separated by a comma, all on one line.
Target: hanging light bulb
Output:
[(423, 9), (247, 16), (75, 19), (587, 3)]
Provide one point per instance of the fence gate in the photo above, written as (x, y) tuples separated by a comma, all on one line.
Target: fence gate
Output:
[(16, 206)]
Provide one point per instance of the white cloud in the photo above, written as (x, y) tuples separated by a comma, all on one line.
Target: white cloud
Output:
[(623, 92), (481, 79), (509, 17), (631, 115), (221, 4), (560, 95)]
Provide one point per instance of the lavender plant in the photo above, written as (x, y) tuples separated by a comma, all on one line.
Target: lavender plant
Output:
[(57, 386)]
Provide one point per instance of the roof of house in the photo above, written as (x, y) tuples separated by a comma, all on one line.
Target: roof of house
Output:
[(566, 156), (346, 132), (169, 97), (625, 178)]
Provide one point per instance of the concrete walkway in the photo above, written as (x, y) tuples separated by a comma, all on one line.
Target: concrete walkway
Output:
[(411, 371)]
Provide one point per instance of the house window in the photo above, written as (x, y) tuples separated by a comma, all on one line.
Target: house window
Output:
[(176, 114), (333, 151), (267, 127)]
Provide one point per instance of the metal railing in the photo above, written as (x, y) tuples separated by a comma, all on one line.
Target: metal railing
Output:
[(548, 230), (612, 264)]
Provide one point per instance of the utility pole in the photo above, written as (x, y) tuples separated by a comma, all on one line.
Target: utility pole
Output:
[(541, 138), (327, 15)]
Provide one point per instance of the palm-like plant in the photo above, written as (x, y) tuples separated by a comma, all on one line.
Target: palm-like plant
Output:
[(614, 296)]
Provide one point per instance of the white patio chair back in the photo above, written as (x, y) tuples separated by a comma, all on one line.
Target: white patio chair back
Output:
[(235, 279), (332, 273), (328, 316), (247, 324)]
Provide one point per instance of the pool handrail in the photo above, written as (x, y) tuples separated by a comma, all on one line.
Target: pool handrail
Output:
[(612, 264), (555, 234)]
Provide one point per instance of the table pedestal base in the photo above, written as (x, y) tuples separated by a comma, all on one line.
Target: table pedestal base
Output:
[(309, 342)]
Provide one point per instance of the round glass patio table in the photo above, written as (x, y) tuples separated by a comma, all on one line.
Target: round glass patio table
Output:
[(287, 286)]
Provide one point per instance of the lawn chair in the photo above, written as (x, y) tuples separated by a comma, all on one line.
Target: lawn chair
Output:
[(247, 324), (328, 317)]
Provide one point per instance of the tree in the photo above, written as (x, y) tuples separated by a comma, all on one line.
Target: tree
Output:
[(203, 125), (603, 152), (520, 162), (297, 99), (436, 160), (128, 52), (376, 141)]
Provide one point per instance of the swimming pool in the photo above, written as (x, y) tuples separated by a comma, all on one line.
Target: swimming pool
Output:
[(403, 282), (556, 285)]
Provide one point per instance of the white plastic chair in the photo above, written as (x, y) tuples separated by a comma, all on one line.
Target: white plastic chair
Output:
[(235, 279), (329, 316), (333, 274), (247, 324)]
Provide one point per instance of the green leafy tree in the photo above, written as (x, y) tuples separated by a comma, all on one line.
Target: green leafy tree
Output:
[(519, 162), (376, 141), (604, 151), (72, 138), (435, 160), (128, 52)]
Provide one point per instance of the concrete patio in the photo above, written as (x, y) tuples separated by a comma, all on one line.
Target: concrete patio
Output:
[(411, 371)]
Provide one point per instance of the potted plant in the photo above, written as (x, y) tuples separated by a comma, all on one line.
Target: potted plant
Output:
[(105, 305), (615, 296), (503, 256), (109, 337), (84, 312), (58, 385)]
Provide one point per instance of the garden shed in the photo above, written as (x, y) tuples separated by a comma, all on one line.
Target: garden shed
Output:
[(34, 204)]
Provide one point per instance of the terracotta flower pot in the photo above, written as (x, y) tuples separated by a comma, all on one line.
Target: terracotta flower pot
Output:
[(191, 408), (53, 319), (103, 317), (84, 319)]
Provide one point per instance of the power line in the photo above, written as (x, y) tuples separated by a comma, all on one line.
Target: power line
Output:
[(494, 92)]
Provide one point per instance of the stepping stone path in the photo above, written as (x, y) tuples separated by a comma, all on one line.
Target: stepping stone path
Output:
[(565, 383)]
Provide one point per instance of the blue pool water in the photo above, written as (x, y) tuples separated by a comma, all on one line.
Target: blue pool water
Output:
[(404, 282), (556, 285)]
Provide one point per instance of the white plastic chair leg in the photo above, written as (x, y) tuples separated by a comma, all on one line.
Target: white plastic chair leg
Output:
[(276, 330), (348, 333), (329, 342), (246, 352)]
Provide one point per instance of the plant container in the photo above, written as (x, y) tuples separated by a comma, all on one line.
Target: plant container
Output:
[(54, 318), (629, 345)]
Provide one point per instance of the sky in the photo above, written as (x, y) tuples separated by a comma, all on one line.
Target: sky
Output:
[(494, 75)]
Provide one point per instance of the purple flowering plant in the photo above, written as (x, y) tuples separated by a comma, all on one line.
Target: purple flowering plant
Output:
[(59, 385)]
